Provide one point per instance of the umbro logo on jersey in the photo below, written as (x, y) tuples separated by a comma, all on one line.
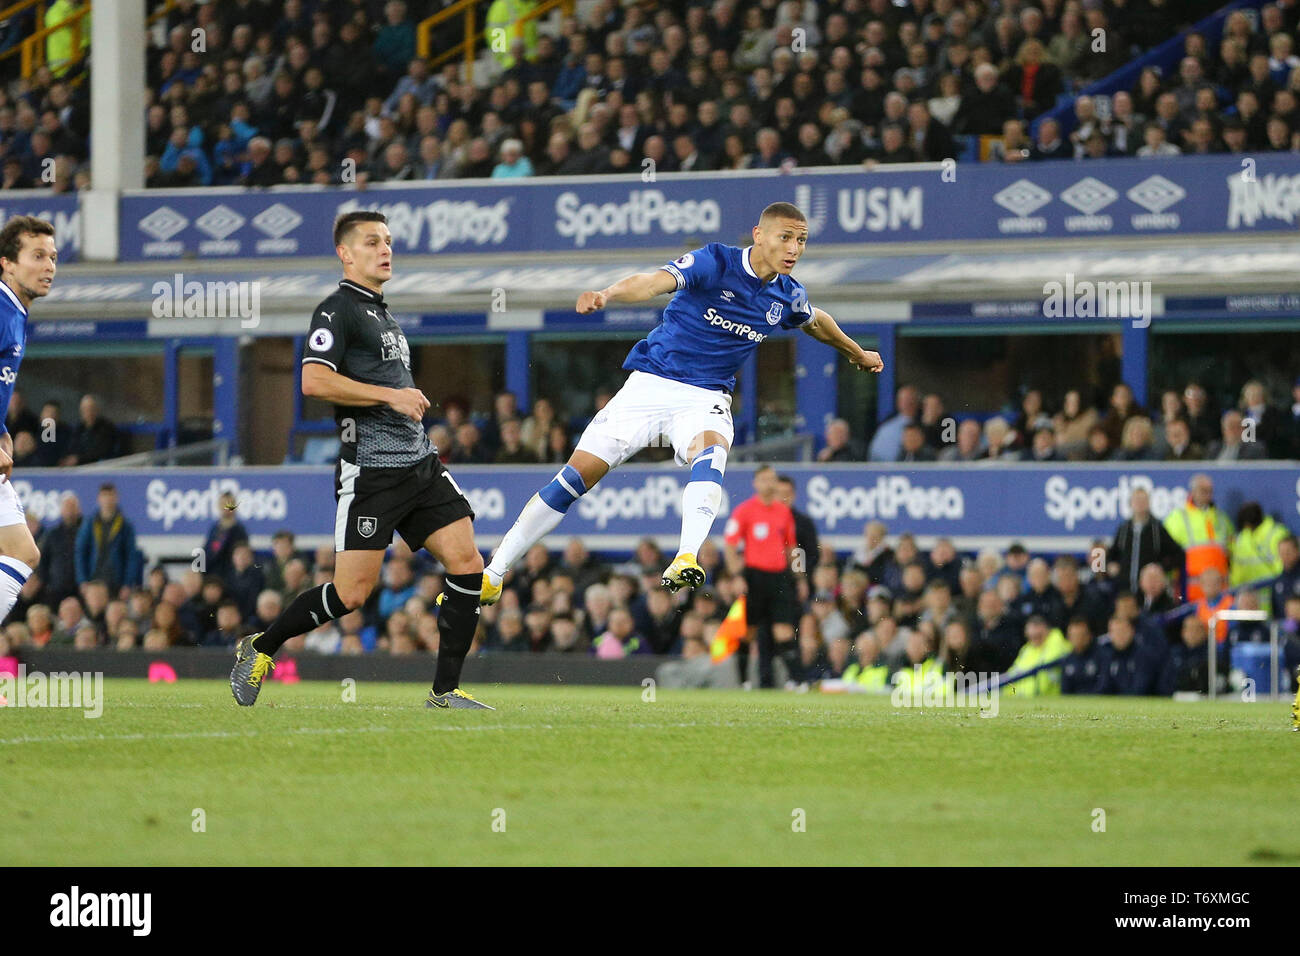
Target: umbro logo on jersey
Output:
[(728, 294)]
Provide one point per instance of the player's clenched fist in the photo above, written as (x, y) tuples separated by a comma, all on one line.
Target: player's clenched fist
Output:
[(409, 402), (869, 361), (590, 302)]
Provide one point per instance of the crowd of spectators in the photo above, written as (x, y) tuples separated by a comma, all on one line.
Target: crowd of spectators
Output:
[(47, 440), (333, 92), (1242, 96), (1186, 427), (1124, 624), (1189, 426)]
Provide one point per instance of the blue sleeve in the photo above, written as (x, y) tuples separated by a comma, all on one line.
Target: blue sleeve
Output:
[(695, 270), (85, 541), (801, 312), (8, 377), (134, 570)]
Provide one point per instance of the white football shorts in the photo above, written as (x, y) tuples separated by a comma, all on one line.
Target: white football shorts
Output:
[(11, 509), (649, 409)]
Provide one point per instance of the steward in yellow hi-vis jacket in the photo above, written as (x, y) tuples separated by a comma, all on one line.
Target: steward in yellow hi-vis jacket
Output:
[(1202, 531), (1041, 645)]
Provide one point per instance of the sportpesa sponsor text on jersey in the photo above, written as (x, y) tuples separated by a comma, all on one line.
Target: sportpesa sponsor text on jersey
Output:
[(720, 313)]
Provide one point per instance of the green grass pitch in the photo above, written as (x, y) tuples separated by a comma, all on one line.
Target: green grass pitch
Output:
[(572, 775)]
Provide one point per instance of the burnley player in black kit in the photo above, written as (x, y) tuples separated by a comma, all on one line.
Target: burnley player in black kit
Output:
[(388, 477)]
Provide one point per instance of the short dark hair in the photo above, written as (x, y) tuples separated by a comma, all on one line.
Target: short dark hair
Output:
[(345, 223), (785, 479), (11, 236), (108, 486), (783, 210)]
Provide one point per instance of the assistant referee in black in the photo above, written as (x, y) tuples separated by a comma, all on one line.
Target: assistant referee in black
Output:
[(388, 477)]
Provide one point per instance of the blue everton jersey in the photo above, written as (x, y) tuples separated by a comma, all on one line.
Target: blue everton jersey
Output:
[(13, 340), (720, 313)]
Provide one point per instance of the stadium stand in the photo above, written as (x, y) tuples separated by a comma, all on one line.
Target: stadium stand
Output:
[(334, 93)]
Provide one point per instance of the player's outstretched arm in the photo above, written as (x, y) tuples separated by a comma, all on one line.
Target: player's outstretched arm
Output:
[(825, 329), (638, 287), (320, 381)]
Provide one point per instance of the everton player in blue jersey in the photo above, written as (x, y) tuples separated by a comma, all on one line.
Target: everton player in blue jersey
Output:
[(727, 301), (27, 263)]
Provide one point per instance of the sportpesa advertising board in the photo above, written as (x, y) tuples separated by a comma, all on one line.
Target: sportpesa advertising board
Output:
[(1063, 199), (1062, 506)]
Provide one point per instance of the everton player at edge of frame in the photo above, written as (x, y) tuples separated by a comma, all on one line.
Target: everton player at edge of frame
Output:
[(28, 260), (388, 477), (727, 301)]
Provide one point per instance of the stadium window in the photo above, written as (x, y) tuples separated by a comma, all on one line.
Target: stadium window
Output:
[(569, 368), (981, 372), (471, 369), (776, 409), (1222, 361), (127, 377), (856, 396)]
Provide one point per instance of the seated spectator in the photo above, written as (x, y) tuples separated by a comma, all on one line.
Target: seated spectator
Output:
[(514, 164), (1287, 584), (1231, 444), (866, 671), (984, 109), (1155, 145), (839, 444), (1043, 644), (1213, 599), (968, 446), (513, 451), (998, 633), (223, 537), (1187, 669), (94, 438), (1178, 439), (1036, 81), (1087, 669), (1132, 672), (1267, 420), (269, 606), (1137, 442), (913, 445), (399, 586), (620, 637), (1049, 144), (228, 630)]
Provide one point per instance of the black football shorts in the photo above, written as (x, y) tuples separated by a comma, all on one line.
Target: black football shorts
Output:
[(413, 500)]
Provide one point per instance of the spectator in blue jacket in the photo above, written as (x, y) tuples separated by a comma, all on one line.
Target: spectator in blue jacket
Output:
[(180, 144), (223, 537), (399, 587), (1188, 667), (106, 546), (1087, 669), (1132, 671)]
